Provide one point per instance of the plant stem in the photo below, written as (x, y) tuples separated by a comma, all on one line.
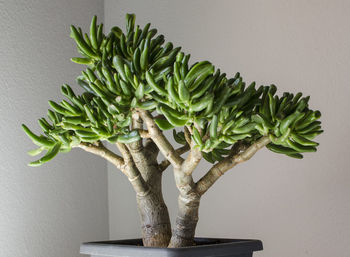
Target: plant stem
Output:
[(154, 217), (165, 164), (229, 162), (103, 152), (187, 216), (160, 140), (139, 164)]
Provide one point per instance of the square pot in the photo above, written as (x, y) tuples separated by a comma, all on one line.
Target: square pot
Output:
[(205, 247)]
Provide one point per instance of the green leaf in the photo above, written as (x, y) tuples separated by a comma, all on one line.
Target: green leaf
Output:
[(129, 138), (163, 124)]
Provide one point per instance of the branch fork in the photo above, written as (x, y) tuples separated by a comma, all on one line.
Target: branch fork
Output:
[(138, 163)]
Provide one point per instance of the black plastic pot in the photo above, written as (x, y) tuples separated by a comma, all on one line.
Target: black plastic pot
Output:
[(205, 247)]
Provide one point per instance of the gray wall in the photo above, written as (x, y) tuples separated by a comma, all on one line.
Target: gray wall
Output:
[(297, 207), (46, 211)]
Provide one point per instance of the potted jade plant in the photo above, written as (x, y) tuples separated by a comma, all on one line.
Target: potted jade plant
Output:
[(136, 87)]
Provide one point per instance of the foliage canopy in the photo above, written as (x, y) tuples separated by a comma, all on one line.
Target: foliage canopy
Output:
[(136, 69)]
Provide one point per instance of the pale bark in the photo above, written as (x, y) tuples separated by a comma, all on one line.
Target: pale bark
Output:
[(139, 184), (188, 201), (165, 164), (190, 193), (187, 216), (160, 140), (228, 163), (139, 164), (191, 162), (102, 151), (154, 216)]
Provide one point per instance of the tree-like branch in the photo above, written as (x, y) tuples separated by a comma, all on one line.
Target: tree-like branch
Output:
[(125, 153), (133, 174), (187, 134), (165, 164), (192, 160), (160, 140), (105, 153), (194, 157), (229, 162), (145, 159)]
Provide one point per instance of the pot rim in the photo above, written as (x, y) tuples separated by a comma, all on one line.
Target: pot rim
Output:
[(205, 247)]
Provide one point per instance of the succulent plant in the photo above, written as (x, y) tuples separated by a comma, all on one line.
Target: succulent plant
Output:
[(137, 86)]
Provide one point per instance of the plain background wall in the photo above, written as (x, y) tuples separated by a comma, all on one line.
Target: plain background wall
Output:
[(297, 207), (46, 211)]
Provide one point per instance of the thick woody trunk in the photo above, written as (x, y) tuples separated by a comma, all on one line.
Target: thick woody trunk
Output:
[(139, 164), (154, 216), (186, 221), (187, 216), (155, 222)]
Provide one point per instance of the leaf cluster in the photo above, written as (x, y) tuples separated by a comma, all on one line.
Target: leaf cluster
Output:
[(137, 69)]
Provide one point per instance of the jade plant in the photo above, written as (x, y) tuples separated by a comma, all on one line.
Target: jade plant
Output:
[(136, 86)]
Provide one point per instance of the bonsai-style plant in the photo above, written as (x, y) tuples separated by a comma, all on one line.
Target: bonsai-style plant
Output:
[(136, 87)]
